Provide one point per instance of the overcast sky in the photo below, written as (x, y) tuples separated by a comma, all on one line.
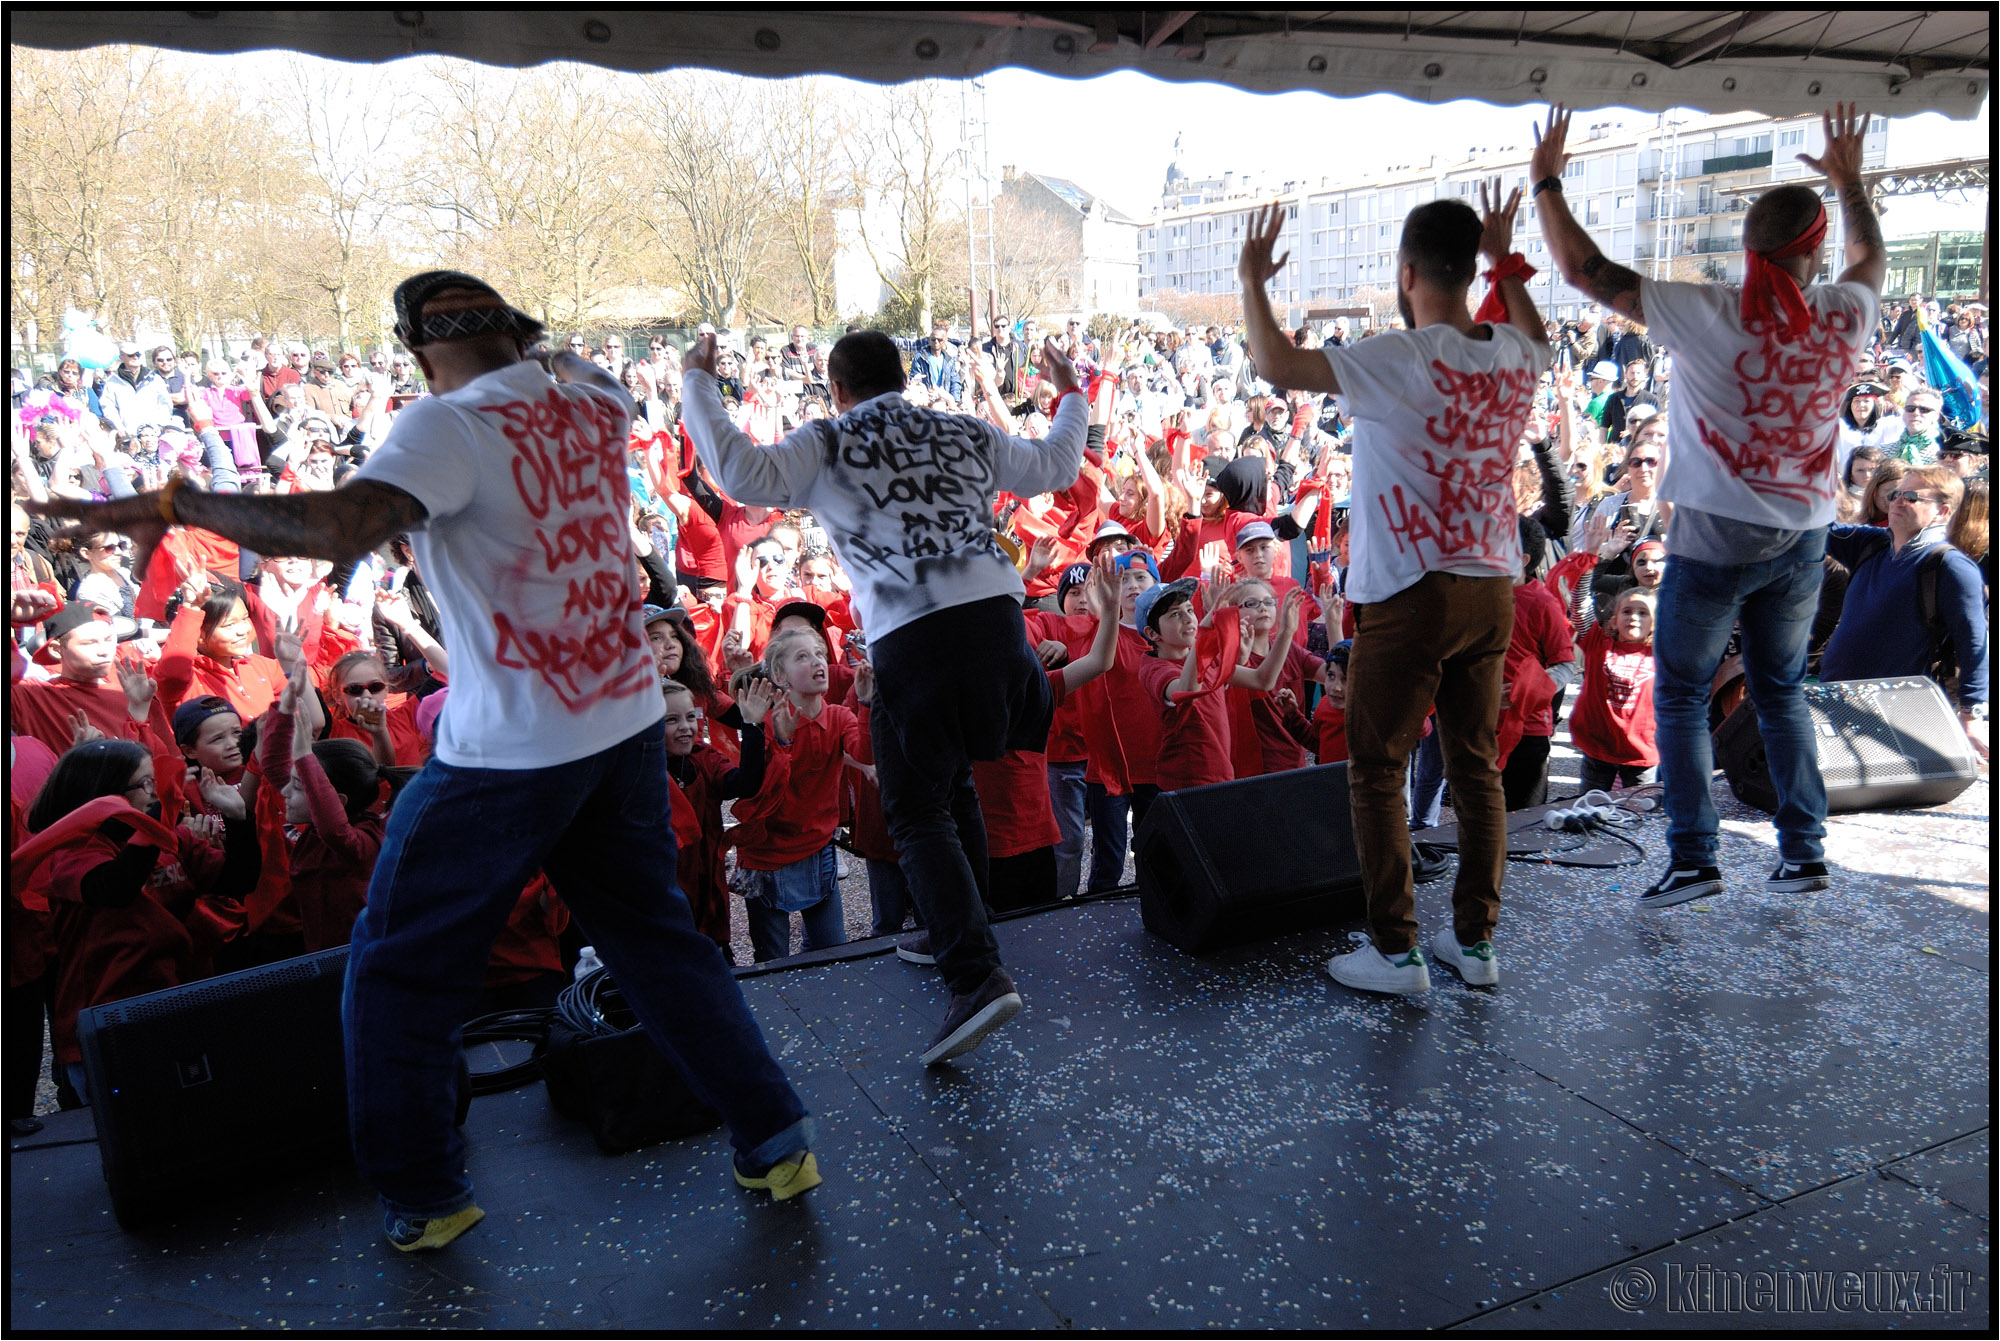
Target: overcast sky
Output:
[(1117, 136)]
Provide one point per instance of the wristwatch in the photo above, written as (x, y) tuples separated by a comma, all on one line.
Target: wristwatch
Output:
[(1547, 184)]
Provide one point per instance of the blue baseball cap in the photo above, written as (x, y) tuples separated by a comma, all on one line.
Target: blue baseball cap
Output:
[(1138, 556)]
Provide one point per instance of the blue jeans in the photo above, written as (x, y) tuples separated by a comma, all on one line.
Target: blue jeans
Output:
[(1427, 782), (1066, 793), (770, 913), (889, 893), (1699, 605), (460, 845), (1109, 836)]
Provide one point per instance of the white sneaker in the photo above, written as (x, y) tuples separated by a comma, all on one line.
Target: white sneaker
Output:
[(1476, 964), (1369, 970)]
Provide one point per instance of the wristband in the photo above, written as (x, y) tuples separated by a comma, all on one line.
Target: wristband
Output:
[(166, 498), (1056, 404), (1554, 184)]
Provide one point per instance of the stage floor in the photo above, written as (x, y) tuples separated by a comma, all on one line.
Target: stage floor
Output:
[(1748, 1083)]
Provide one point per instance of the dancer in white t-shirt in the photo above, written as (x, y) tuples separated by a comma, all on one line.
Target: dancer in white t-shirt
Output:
[(1438, 412), (1754, 425), (550, 755)]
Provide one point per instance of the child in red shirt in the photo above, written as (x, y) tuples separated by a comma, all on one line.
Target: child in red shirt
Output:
[(1330, 717), (707, 778), (1194, 718), (332, 789), (1269, 732), (1613, 722), (1021, 828), (784, 834)]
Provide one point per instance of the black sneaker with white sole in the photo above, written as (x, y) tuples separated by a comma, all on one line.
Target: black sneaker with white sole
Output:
[(973, 1016), (916, 949), (1798, 877), (1680, 884)]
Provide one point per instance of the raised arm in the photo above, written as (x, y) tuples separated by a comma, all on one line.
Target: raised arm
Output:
[(1867, 258), (1577, 258), (774, 476), (1496, 239), (1279, 361)]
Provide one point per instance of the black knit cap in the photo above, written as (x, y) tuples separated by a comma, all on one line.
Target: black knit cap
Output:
[(442, 305)]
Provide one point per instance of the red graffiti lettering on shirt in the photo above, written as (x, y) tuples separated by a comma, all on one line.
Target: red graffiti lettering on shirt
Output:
[(1790, 399), (584, 662), (1470, 516), (569, 468), (1627, 675)]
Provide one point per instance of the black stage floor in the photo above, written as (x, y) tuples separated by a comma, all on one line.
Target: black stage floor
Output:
[(1750, 1083)]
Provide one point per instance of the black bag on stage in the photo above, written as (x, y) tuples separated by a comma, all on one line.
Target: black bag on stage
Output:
[(620, 1087)]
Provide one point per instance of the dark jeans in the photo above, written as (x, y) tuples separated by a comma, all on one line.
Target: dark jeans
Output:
[(1700, 604), (1109, 836), (27, 1011), (1025, 880), (1525, 779), (1442, 640), (1600, 776), (956, 685), (1066, 798), (1427, 784), (889, 893), (461, 843)]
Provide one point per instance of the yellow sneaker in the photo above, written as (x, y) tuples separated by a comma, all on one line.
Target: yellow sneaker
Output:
[(410, 1236), (785, 1179)]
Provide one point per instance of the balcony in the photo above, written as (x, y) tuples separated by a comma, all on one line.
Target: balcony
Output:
[(1735, 163), (1712, 245)]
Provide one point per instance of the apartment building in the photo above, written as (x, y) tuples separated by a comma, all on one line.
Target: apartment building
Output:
[(1666, 198)]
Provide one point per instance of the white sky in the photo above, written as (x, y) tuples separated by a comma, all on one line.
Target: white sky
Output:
[(1117, 136)]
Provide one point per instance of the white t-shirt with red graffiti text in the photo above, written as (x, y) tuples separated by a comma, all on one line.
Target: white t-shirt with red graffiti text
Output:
[(1753, 426), (528, 552), (1438, 416)]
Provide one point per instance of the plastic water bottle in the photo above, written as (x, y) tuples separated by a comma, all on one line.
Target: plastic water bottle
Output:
[(587, 962)]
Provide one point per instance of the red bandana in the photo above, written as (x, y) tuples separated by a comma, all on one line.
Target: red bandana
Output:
[(1771, 295), (1512, 266)]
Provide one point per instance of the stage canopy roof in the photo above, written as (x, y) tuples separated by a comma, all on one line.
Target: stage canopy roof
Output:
[(1776, 61)]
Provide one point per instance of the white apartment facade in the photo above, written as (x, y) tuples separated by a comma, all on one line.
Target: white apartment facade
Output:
[(1665, 199)]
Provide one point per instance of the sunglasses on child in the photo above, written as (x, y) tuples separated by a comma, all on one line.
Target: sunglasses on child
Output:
[(357, 690)]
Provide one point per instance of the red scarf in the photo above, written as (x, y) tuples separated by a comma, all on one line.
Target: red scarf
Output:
[(1512, 266), (1771, 295), (1217, 650)]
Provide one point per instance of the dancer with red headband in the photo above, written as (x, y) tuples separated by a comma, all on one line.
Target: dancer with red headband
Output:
[(1755, 430)]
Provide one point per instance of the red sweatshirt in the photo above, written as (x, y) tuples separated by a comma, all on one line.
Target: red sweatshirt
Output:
[(1331, 725), (412, 746), (795, 813), (334, 857), (42, 709), (250, 685), (1613, 721), (1279, 737)]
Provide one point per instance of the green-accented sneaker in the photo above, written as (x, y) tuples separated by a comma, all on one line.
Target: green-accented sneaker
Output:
[(1474, 963), (1369, 970), (410, 1236), (785, 1179)]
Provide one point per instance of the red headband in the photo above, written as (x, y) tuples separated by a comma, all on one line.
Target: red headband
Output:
[(1770, 294)]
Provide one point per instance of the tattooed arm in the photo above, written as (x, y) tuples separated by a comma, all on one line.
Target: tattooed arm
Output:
[(1576, 256), (1867, 258), (336, 524)]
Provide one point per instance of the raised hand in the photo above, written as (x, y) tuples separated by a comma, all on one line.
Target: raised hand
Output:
[(1255, 267), (1616, 543), (864, 682), (394, 607), (1549, 159), (1055, 366), (756, 700), (30, 605), (219, 796), (700, 356), (139, 688), (208, 828), (1841, 163), (1288, 615), (81, 731), (735, 653), (784, 718), (1496, 238), (289, 647)]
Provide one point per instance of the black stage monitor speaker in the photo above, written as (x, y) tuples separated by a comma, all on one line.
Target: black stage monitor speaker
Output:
[(1249, 860), (1883, 745), (197, 1088)]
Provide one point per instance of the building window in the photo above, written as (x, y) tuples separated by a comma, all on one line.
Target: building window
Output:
[(1786, 139)]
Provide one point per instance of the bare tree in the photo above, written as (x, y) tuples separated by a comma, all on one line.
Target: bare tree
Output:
[(355, 182), (526, 183), (804, 122), (713, 192), (1034, 250), (76, 177), (910, 157)]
